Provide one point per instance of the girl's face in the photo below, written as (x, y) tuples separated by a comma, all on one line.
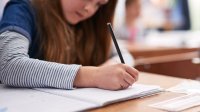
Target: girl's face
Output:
[(76, 11), (133, 10)]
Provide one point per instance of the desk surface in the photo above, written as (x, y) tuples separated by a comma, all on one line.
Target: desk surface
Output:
[(141, 105)]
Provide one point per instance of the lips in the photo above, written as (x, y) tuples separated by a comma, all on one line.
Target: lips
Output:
[(80, 15)]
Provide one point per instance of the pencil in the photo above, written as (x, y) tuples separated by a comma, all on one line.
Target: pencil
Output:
[(115, 42)]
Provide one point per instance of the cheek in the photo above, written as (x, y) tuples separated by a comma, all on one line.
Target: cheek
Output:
[(69, 8), (71, 5), (66, 7)]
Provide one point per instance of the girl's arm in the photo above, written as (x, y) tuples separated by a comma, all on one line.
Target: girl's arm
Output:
[(17, 69)]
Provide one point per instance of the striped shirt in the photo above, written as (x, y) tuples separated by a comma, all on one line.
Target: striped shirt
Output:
[(17, 69)]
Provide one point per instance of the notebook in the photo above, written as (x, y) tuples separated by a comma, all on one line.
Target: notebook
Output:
[(30, 100), (50, 100), (101, 97)]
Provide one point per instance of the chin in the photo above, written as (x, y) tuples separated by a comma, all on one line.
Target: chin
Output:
[(74, 22)]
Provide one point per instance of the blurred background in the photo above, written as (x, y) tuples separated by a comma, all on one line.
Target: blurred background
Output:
[(162, 35), (138, 18)]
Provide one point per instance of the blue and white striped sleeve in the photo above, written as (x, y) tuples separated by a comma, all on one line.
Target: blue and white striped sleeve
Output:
[(17, 69)]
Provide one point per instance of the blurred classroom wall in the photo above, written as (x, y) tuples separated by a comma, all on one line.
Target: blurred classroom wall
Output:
[(165, 14), (194, 6)]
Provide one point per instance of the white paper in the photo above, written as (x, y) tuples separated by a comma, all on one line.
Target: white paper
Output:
[(29, 100), (103, 97), (187, 87), (179, 103)]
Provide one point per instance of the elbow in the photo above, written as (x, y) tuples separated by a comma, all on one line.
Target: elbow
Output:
[(4, 77), (8, 73)]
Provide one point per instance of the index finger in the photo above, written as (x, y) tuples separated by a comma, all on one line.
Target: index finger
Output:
[(132, 71)]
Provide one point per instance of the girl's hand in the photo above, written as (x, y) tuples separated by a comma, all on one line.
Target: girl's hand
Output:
[(111, 77), (116, 77)]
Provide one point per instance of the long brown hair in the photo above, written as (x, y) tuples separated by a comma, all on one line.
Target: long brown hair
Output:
[(87, 43)]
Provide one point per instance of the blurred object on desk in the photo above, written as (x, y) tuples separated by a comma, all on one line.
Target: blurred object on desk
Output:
[(187, 87)]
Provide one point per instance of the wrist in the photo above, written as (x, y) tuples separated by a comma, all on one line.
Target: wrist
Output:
[(86, 77)]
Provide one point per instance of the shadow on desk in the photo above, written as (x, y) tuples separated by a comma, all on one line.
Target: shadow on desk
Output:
[(178, 65)]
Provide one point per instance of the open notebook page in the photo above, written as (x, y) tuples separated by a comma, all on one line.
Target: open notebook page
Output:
[(103, 97), (29, 100)]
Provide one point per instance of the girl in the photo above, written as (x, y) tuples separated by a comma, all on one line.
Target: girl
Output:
[(61, 44), (132, 28)]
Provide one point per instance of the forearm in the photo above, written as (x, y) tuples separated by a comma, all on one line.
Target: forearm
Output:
[(17, 69)]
